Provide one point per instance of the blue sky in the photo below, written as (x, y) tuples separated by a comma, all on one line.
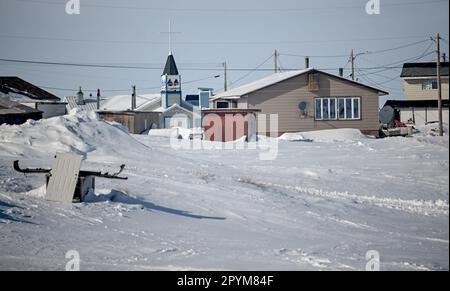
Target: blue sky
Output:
[(244, 33)]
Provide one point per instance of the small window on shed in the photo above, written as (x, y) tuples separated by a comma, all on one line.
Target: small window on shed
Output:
[(313, 82), (223, 104)]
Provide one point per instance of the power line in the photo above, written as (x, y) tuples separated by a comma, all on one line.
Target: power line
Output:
[(243, 10), (362, 53), (127, 90), (252, 71), (413, 59), (160, 68), (396, 48), (144, 42)]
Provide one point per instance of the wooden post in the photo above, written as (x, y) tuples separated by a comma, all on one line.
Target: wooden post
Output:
[(98, 99), (133, 99), (225, 77), (352, 59), (275, 60), (439, 84)]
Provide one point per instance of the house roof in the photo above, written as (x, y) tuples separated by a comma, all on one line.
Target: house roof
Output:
[(88, 105), (171, 66), (10, 107), (15, 85), (123, 102), (417, 70), (277, 78), (177, 106), (416, 103)]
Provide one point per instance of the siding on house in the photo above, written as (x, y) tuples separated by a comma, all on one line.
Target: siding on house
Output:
[(136, 121), (413, 89), (283, 99)]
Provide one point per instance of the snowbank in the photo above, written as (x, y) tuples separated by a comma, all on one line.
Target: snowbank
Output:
[(79, 132), (331, 135), (175, 132), (430, 130)]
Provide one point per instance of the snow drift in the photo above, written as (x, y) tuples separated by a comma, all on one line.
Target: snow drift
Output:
[(79, 132), (331, 135)]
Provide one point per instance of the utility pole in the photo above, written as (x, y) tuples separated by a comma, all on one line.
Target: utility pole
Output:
[(133, 99), (275, 60), (98, 99), (439, 84), (352, 59), (225, 77)]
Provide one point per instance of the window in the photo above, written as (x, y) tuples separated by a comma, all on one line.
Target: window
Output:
[(222, 104), (355, 106), (326, 109), (429, 85), (342, 108)]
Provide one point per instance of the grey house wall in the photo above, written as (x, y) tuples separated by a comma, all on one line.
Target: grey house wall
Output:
[(283, 99), (171, 113), (51, 109)]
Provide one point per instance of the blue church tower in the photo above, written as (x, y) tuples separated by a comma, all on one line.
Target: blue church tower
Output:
[(170, 84)]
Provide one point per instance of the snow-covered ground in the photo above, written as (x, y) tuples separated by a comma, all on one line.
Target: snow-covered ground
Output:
[(326, 200)]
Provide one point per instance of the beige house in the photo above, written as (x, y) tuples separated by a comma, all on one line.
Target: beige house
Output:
[(420, 105), (308, 100), (420, 81)]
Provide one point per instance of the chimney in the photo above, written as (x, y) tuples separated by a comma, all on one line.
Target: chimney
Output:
[(98, 99), (80, 98), (307, 63), (133, 99), (341, 72)]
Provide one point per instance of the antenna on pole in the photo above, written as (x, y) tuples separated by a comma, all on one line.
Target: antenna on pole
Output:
[(170, 37), (170, 33)]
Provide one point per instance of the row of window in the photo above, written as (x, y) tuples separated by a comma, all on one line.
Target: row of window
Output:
[(429, 85), (342, 108), (337, 108)]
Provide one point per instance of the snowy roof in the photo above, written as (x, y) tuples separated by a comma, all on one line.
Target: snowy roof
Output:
[(89, 104), (177, 106), (123, 102), (273, 79), (19, 87), (260, 84), (11, 107)]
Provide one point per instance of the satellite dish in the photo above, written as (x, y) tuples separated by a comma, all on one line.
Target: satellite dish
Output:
[(387, 114), (302, 106)]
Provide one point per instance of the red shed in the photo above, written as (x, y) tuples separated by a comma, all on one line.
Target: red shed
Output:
[(229, 124)]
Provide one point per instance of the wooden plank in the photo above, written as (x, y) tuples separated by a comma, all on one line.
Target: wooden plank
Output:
[(64, 177)]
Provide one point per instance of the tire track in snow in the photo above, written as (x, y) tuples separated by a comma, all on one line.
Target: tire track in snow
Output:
[(423, 207)]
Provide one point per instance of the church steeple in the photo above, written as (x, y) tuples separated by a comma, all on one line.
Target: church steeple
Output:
[(171, 66), (171, 84), (170, 79)]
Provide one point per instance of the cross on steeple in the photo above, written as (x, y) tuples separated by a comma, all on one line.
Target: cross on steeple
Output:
[(170, 33)]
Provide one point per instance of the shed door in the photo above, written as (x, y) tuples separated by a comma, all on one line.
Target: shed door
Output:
[(64, 177)]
